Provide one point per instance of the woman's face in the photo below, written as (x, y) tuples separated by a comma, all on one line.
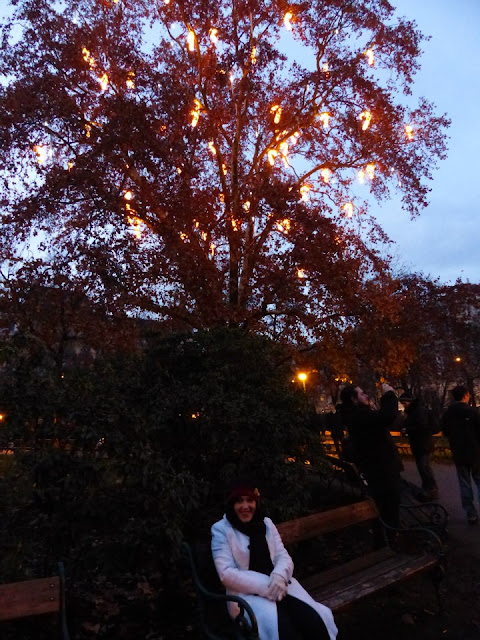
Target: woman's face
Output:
[(244, 507)]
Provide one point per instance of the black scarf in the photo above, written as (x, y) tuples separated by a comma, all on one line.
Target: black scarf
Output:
[(256, 530)]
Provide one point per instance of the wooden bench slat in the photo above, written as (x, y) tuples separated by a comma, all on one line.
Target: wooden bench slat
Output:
[(316, 582), (28, 598), (326, 521), (338, 596)]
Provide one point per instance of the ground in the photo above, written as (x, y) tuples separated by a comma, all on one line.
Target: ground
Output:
[(409, 612)]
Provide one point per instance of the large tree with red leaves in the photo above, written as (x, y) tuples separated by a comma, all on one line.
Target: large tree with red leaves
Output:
[(201, 160)]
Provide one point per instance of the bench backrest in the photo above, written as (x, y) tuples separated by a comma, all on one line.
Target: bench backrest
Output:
[(29, 598), (327, 521)]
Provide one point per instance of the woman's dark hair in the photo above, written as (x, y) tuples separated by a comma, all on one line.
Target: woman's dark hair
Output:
[(347, 394)]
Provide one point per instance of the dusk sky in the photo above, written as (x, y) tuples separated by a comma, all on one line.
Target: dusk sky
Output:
[(444, 241)]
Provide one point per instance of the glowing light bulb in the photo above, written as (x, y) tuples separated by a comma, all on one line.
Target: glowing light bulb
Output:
[(284, 225), (366, 116), (213, 33), (348, 208), (277, 111), (370, 170), (89, 59), (272, 154), (191, 40), (409, 132), (211, 147), (287, 20), (103, 81), (129, 81), (326, 174), (195, 112), (370, 56), (42, 153), (305, 192), (253, 55), (324, 118)]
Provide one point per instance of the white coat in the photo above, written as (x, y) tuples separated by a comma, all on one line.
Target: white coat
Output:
[(230, 550)]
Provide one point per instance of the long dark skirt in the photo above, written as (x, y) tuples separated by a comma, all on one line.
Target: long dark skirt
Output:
[(298, 621)]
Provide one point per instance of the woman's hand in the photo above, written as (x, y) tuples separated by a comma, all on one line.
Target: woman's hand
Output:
[(277, 588)]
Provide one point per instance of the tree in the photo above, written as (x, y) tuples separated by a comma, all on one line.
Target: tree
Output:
[(169, 158)]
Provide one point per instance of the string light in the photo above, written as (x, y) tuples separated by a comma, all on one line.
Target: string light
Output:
[(348, 208), (211, 147), (191, 40), (213, 33), (284, 153), (301, 273), (272, 154), (129, 82), (305, 191), (253, 55), (103, 81), (89, 59), (409, 132), (366, 116), (42, 152), (135, 223), (277, 111), (324, 118), (370, 56), (326, 174), (195, 112), (246, 205), (284, 225), (287, 20), (370, 170)]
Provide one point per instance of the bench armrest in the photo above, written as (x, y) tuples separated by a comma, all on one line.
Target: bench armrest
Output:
[(411, 539), (245, 628), (430, 515)]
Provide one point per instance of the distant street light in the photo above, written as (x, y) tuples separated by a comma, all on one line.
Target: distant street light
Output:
[(302, 377), (458, 359)]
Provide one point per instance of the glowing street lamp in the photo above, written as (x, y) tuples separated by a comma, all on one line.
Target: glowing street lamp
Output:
[(302, 376)]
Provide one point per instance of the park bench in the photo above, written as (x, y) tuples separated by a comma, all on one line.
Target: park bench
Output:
[(34, 598), (366, 557)]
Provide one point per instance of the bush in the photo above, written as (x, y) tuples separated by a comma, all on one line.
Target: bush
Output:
[(127, 457)]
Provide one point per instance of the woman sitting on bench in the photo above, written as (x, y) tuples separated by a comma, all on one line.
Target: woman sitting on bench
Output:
[(252, 562)]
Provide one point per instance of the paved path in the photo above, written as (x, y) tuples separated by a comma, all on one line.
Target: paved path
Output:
[(467, 535)]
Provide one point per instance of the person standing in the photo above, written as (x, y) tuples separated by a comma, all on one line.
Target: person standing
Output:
[(252, 562), (420, 437), (374, 450), (461, 425)]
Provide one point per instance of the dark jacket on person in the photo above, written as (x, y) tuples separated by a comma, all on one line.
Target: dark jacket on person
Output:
[(418, 428), (461, 425), (374, 450)]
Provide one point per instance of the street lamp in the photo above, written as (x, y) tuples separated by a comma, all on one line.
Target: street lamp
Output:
[(302, 377)]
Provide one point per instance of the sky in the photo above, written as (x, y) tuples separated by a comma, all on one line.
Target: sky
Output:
[(443, 242)]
